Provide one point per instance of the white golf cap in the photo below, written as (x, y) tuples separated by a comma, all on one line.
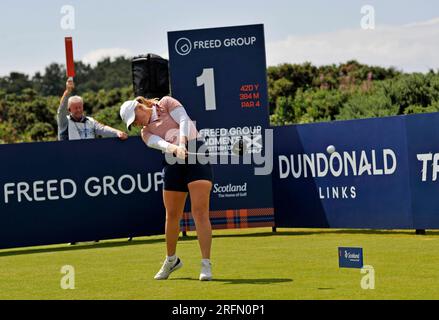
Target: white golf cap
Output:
[(127, 112)]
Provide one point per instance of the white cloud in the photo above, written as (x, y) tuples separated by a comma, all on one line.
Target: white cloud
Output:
[(165, 55), (411, 47), (95, 56)]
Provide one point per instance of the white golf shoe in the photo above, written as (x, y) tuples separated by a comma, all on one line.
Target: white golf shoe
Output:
[(168, 268), (206, 271)]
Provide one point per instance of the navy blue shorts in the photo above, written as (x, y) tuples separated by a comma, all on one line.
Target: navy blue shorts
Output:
[(177, 176)]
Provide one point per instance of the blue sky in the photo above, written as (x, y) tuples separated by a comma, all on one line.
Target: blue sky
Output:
[(406, 34)]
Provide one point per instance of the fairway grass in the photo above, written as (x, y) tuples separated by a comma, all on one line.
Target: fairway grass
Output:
[(247, 264)]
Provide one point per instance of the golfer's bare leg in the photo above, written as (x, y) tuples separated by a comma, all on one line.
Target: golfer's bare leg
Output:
[(174, 204), (200, 199)]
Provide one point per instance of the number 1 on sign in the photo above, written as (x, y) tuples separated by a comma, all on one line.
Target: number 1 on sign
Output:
[(207, 79)]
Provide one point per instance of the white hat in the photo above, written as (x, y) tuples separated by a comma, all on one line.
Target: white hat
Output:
[(127, 112)]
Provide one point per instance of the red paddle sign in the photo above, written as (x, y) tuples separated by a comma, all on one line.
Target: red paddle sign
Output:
[(70, 65)]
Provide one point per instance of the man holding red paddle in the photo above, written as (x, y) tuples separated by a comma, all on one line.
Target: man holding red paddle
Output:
[(72, 123)]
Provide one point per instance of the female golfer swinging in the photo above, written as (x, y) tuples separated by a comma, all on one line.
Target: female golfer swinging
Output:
[(167, 127)]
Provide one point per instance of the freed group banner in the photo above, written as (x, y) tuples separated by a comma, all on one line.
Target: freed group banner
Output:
[(220, 76), (61, 192)]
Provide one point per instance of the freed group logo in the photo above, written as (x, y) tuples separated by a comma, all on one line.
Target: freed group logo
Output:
[(184, 46)]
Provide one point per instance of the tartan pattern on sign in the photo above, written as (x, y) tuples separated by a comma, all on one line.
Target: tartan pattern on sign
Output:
[(233, 219)]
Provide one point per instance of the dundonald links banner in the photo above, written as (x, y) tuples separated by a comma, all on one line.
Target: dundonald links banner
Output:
[(382, 174)]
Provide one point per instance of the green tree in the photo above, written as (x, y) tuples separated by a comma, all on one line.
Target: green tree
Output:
[(15, 82), (53, 81), (367, 105), (309, 106)]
